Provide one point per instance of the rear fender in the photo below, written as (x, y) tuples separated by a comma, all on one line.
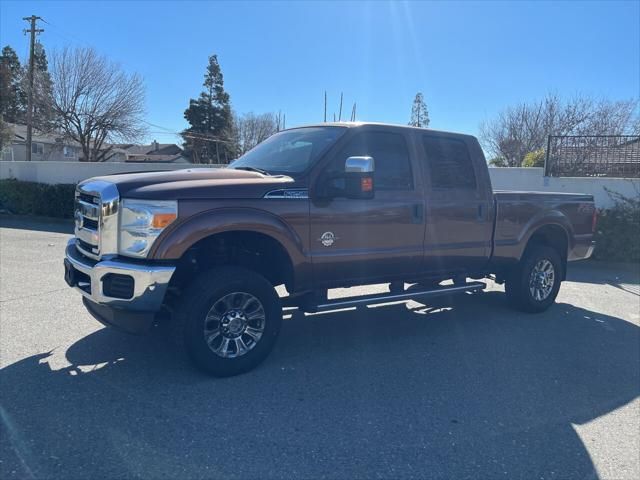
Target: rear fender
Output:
[(541, 220)]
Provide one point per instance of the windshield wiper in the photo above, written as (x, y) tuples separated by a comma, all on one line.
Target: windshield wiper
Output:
[(253, 169)]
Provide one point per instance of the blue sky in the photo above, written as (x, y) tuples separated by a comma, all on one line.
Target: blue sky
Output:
[(470, 59)]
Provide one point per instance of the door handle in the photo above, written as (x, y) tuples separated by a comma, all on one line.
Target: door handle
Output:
[(480, 213), (417, 213)]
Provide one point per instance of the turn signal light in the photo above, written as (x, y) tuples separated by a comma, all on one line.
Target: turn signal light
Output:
[(161, 220)]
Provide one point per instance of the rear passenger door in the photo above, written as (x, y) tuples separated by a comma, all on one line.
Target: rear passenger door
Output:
[(459, 205)]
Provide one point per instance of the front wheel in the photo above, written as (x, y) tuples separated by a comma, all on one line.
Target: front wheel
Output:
[(534, 284), (231, 318)]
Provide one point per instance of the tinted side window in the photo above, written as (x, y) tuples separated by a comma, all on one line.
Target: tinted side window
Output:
[(390, 154), (449, 163)]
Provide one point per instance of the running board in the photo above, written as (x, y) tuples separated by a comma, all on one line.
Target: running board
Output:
[(388, 297)]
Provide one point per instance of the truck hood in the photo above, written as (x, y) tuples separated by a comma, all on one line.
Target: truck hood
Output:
[(193, 183)]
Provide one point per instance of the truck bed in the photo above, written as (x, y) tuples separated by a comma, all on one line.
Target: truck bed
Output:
[(519, 213)]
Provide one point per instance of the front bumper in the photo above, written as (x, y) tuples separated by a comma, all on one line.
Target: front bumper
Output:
[(150, 282)]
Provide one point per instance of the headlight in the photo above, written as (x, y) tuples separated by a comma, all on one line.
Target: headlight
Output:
[(141, 222)]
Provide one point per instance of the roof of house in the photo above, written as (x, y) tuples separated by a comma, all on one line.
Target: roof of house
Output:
[(52, 138), (177, 158), (153, 148), (161, 152)]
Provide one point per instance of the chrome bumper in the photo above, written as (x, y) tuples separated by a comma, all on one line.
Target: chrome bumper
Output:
[(150, 281), (582, 248)]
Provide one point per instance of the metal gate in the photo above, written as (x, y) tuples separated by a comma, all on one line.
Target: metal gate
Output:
[(593, 156)]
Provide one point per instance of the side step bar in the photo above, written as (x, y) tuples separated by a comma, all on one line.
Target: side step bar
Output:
[(347, 302)]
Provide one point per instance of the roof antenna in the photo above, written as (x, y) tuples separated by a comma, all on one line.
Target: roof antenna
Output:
[(325, 106)]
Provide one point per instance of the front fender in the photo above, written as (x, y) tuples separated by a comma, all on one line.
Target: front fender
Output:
[(178, 238)]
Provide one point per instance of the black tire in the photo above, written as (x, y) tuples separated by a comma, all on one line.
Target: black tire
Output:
[(196, 304), (518, 286)]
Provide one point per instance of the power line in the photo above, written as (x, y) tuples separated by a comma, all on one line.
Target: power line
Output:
[(207, 138), (187, 134), (64, 34), (167, 129)]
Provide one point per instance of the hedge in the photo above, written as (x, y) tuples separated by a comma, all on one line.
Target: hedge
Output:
[(617, 236), (618, 230), (30, 198)]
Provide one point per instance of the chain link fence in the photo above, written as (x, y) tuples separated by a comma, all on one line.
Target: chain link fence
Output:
[(593, 156)]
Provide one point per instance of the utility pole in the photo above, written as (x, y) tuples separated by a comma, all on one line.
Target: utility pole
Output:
[(33, 31)]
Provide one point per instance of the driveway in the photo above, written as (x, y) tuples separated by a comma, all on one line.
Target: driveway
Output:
[(469, 389)]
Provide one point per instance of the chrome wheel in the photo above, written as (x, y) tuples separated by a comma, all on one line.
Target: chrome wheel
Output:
[(541, 280), (234, 324)]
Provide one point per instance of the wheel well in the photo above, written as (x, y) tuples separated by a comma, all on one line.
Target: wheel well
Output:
[(255, 251), (553, 236)]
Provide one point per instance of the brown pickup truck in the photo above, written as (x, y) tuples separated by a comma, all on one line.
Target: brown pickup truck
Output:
[(313, 208)]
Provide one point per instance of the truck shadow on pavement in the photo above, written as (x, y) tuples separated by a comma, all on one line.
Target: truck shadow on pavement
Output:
[(623, 276), (470, 391)]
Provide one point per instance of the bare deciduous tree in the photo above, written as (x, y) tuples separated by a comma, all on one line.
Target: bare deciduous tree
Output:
[(251, 129), (524, 128), (95, 101)]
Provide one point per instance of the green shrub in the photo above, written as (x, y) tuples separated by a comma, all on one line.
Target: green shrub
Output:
[(618, 230), (30, 198), (534, 159), (498, 162)]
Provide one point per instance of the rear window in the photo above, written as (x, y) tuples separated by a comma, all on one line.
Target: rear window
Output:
[(449, 163)]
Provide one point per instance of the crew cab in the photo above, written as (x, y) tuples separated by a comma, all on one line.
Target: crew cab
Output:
[(313, 208)]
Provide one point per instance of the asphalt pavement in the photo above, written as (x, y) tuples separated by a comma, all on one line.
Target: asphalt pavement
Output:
[(459, 389)]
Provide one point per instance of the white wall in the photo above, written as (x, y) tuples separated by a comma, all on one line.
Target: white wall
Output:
[(532, 179), (73, 172), (526, 179)]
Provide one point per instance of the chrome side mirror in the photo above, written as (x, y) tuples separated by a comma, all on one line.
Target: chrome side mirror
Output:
[(359, 165), (358, 173)]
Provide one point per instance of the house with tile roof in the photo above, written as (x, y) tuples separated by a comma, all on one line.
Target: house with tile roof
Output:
[(55, 146)]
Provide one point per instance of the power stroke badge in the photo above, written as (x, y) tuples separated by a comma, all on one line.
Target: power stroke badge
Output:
[(327, 239)]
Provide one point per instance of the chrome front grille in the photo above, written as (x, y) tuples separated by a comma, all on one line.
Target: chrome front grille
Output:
[(87, 198), (87, 217), (96, 218)]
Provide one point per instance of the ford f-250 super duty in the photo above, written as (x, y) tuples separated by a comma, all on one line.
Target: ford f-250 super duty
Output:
[(313, 208)]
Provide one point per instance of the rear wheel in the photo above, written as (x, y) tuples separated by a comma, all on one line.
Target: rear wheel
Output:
[(534, 284), (231, 318)]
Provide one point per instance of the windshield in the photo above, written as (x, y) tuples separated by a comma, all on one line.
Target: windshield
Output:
[(291, 151)]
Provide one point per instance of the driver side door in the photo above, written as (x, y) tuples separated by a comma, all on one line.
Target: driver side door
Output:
[(362, 240)]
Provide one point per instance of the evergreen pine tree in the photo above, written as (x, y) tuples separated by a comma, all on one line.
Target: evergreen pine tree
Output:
[(43, 115), (13, 98), (209, 138), (419, 112)]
